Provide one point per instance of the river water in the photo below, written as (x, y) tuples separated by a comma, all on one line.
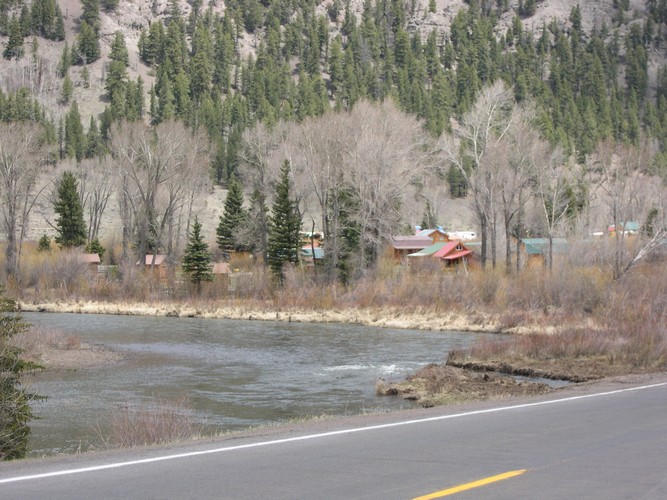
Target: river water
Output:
[(235, 374)]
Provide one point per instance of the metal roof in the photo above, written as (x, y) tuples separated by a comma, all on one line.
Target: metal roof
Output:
[(540, 246), (430, 250)]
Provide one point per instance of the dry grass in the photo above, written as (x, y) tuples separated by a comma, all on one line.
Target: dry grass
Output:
[(157, 422)]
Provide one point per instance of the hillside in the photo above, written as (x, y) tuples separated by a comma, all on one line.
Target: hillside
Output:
[(594, 69)]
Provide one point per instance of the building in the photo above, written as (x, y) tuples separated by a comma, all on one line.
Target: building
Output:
[(402, 246), (451, 253), (536, 250)]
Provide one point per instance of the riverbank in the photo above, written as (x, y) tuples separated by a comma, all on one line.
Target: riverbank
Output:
[(384, 317)]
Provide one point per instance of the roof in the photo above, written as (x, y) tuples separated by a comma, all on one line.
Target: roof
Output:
[(307, 252), (89, 258), (446, 249), (221, 268), (430, 250), (457, 255), (630, 226), (410, 242), (159, 259), (540, 246), (427, 233)]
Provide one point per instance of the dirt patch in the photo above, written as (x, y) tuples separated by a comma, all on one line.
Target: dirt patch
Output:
[(436, 385), (56, 350), (84, 356)]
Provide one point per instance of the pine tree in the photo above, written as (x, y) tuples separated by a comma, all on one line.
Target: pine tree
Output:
[(119, 49), (90, 13), (87, 45), (14, 47), (70, 224), (67, 90), (197, 258), (15, 411), (233, 218), (74, 140), (96, 247), (65, 61), (285, 224)]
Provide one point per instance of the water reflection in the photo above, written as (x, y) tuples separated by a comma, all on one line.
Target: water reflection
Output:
[(235, 373)]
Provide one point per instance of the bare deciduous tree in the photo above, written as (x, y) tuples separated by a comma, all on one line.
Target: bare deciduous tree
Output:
[(160, 170), (482, 128), (625, 184), (95, 188), (22, 158), (552, 183)]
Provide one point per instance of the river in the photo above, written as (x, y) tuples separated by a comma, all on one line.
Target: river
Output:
[(235, 374)]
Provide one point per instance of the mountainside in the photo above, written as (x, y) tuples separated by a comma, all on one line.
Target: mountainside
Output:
[(595, 71), (129, 17)]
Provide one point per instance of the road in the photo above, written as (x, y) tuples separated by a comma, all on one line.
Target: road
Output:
[(601, 441)]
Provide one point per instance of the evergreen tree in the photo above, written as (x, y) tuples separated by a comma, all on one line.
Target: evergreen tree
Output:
[(87, 45), (285, 224), (119, 49), (232, 220), (90, 13), (15, 411), (65, 61), (197, 258), (74, 140), (44, 244), (14, 47), (67, 90), (94, 142), (70, 225)]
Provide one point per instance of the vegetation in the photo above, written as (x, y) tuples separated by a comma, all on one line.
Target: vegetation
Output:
[(197, 258), (15, 411), (70, 226), (284, 239)]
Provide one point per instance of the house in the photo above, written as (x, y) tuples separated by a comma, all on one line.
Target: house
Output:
[(157, 266), (402, 246), (536, 250), (451, 252)]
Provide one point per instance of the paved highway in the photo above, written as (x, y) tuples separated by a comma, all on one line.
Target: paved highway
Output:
[(601, 441)]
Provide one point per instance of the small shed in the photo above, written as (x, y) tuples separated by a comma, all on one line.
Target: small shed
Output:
[(157, 264), (309, 255), (91, 260), (536, 250)]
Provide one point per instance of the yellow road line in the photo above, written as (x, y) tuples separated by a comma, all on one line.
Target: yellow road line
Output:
[(474, 484)]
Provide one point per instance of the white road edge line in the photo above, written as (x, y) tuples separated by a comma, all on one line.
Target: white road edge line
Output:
[(321, 435)]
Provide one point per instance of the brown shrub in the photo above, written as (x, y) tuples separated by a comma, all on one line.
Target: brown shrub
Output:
[(156, 422)]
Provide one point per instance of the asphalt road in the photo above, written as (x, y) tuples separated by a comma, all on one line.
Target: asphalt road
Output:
[(603, 441)]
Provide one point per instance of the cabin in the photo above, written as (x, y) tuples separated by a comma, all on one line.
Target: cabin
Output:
[(402, 246)]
